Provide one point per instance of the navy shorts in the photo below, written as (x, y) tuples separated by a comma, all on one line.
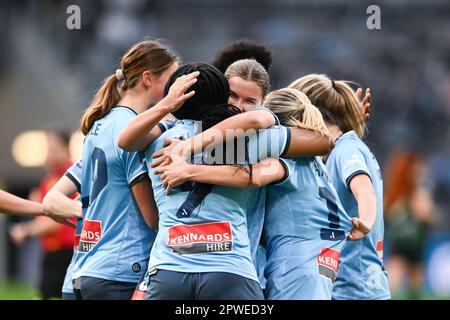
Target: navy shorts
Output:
[(89, 288), (173, 285), (68, 296)]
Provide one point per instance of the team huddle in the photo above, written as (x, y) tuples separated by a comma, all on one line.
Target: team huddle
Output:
[(198, 182)]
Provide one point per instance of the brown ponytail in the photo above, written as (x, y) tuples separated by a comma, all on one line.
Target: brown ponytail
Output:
[(335, 99), (144, 56)]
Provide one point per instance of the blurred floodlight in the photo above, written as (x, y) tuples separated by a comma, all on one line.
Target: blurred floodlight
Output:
[(29, 149), (76, 145)]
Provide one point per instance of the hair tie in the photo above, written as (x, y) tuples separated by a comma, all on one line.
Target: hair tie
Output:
[(333, 84), (119, 74)]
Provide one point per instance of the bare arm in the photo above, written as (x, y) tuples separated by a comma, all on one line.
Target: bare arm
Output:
[(12, 204), (303, 142), (264, 172), (142, 130), (57, 202), (307, 143), (143, 193), (365, 196), (230, 128)]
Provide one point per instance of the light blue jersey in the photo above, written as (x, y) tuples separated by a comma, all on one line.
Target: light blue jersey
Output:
[(305, 229), (205, 229), (73, 173), (255, 222), (115, 241), (362, 274)]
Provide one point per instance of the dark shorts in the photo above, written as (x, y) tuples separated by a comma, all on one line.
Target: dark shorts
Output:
[(172, 285), (89, 288), (68, 296)]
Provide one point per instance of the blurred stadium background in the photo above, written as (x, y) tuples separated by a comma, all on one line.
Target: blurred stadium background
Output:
[(48, 74)]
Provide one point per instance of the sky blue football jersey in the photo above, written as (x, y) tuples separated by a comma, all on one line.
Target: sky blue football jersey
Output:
[(362, 274), (115, 241), (205, 229), (305, 229)]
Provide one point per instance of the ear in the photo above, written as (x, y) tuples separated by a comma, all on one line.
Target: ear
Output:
[(147, 79)]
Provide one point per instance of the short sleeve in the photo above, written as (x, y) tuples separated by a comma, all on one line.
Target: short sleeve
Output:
[(267, 143), (134, 165), (289, 181), (74, 173), (165, 125), (351, 163)]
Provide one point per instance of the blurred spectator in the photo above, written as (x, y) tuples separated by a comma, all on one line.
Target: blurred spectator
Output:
[(409, 212), (57, 239)]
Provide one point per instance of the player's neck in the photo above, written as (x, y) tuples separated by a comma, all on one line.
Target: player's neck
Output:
[(135, 102), (335, 132)]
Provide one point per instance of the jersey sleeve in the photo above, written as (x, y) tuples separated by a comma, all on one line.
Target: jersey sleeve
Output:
[(133, 162), (74, 174), (165, 125), (289, 181), (351, 162), (268, 143)]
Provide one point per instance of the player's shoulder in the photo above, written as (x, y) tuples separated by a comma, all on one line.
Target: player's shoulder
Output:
[(349, 143)]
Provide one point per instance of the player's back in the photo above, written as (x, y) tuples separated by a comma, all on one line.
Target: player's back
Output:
[(115, 241), (305, 229)]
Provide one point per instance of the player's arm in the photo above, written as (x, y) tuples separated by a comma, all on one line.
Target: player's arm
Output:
[(57, 203), (230, 128), (263, 173), (362, 188), (143, 129), (14, 205), (300, 142), (308, 143), (143, 194)]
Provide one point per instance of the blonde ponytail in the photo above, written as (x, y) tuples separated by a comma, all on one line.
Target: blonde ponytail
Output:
[(294, 109)]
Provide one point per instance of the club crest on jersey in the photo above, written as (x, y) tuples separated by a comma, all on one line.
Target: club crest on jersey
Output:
[(328, 263), (201, 238), (90, 235)]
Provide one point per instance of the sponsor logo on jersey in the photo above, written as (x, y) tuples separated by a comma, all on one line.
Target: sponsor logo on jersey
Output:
[(201, 238), (328, 263), (90, 235), (379, 248)]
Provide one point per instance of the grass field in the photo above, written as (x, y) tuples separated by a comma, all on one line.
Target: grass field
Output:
[(16, 291)]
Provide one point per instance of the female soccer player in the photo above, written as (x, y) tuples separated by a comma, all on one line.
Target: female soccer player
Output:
[(116, 195), (199, 206), (305, 225), (251, 75), (357, 178)]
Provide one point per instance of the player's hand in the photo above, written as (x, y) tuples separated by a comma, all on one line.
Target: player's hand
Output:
[(359, 231), (365, 103), (172, 153), (176, 95), (18, 234), (173, 175)]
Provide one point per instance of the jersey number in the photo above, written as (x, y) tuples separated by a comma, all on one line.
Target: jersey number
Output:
[(100, 176), (332, 233)]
